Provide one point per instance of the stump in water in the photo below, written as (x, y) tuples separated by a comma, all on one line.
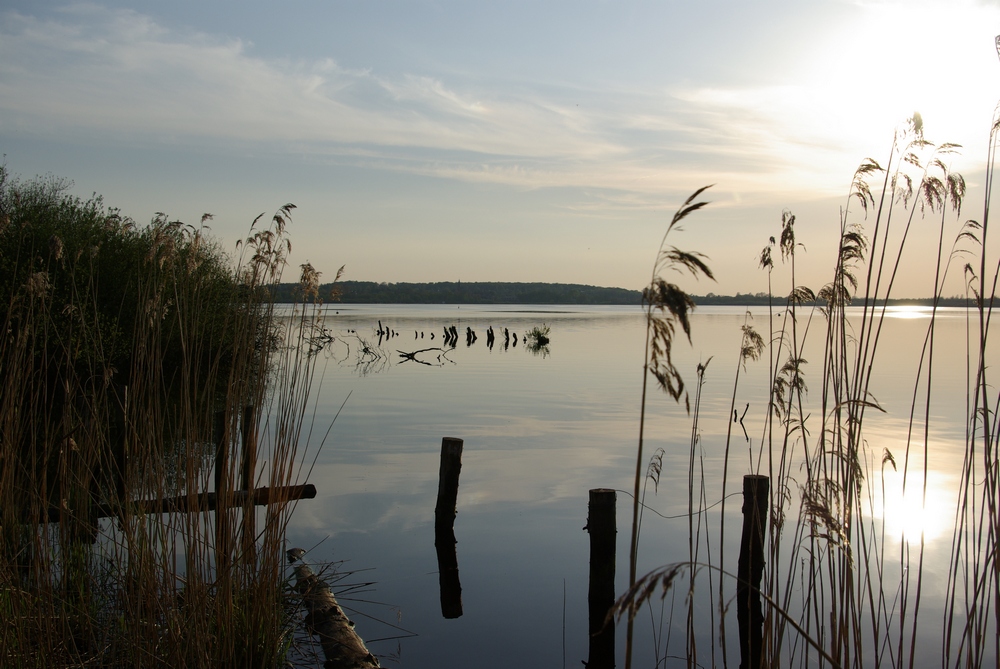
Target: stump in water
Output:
[(448, 473), (601, 524), (248, 467), (751, 569), (444, 527), (342, 646)]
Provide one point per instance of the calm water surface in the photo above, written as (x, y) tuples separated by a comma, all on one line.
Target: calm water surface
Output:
[(540, 430)]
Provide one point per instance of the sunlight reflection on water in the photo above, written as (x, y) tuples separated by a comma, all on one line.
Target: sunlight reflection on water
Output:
[(539, 433)]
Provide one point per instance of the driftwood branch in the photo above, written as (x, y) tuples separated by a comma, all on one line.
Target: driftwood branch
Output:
[(342, 646), (413, 356)]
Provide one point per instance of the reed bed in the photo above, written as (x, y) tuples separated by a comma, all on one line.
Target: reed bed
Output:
[(838, 590), (139, 364)]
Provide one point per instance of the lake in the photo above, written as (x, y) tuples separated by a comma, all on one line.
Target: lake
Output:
[(542, 428)]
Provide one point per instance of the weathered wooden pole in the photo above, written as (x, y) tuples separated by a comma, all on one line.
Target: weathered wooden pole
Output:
[(116, 415), (342, 646), (602, 527), (221, 438), (249, 461), (444, 527), (80, 494), (448, 473), (248, 469), (223, 489), (751, 569)]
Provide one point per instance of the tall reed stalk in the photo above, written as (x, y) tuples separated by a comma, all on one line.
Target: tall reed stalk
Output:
[(666, 306)]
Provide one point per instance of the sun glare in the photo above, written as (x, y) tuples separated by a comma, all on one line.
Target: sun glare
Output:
[(907, 517), (908, 311), (894, 59)]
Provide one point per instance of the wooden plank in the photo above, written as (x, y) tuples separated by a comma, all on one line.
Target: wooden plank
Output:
[(205, 501)]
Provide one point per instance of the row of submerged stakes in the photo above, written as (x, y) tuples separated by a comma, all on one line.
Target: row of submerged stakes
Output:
[(537, 336), (369, 354)]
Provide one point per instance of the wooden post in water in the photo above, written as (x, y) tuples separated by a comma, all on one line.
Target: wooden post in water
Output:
[(249, 462), (444, 527), (220, 434), (116, 414), (750, 570), (221, 449), (248, 468), (601, 596)]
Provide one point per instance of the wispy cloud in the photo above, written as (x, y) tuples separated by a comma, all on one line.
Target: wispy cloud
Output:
[(116, 71), (116, 75)]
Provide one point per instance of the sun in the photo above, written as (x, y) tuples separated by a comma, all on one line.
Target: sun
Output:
[(886, 60)]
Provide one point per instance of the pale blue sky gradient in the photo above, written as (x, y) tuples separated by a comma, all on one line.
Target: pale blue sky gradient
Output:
[(513, 141)]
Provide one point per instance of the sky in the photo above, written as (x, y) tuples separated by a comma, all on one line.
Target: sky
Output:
[(499, 141)]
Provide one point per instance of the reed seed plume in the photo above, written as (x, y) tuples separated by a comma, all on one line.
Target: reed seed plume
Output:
[(666, 306)]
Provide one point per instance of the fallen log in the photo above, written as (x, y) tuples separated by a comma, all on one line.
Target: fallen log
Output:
[(199, 502), (342, 646)]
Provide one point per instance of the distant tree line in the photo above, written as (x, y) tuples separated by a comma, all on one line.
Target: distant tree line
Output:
[(497, 292), (370, 292), (758, 299)]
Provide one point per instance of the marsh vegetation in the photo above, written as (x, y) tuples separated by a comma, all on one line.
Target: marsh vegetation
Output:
[(140, 364), (839, 588)]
